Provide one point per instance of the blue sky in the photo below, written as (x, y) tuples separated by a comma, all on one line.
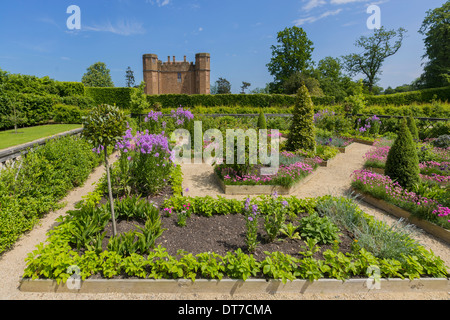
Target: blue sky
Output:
[(238, 34)]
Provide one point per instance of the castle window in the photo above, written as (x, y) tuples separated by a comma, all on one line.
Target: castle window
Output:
[(179, 77)]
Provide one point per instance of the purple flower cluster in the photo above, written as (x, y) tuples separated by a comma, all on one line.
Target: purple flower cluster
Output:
[(181, 116), (99, 149), (322, 114), (153, 115)]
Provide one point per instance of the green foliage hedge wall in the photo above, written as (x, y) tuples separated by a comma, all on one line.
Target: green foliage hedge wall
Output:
[(405, 98), (121, 97)]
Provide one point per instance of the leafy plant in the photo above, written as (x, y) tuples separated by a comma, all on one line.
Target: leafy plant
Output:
[(320, 229)]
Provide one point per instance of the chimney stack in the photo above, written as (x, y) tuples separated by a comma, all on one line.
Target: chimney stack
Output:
[(184, 58), (168, 59), (173, 59)]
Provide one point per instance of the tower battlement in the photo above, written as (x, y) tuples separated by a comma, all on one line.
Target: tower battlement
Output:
[(179, 77)]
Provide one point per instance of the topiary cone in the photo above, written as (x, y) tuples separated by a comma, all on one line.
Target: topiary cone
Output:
[(402, 164), (262, 121), (302, 131)]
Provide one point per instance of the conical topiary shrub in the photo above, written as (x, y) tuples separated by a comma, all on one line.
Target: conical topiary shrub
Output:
[(402, 164), (413, 128), (302, 131), (262, 121)]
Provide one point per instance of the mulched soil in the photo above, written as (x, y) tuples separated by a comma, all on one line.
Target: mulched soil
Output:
[(219, 234)]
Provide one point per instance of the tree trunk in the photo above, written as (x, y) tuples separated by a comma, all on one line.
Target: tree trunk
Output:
[(111, 200)]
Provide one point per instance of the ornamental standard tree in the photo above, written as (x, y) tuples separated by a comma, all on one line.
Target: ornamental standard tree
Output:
[(302, 132), (402, 164), (103, 127), (97, 75)]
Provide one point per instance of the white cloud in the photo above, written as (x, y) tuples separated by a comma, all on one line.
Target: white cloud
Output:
[(159, 3), (312, 19), (313, 4), (122, 27), (346, 1)]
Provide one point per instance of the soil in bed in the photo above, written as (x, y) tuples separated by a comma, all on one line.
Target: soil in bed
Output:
[(218, 234), (221, 234)]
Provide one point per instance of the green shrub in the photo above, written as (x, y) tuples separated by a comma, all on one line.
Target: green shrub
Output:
[(45, 176), (413, 128), (402, 164), (262, 121), (301, 134), (68, 114), (442, 142)]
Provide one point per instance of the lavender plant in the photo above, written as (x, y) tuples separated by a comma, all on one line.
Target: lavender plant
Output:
[(251, 223)]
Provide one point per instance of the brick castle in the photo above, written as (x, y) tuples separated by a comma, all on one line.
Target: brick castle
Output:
[(180, 77)]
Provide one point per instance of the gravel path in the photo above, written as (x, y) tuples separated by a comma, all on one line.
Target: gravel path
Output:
[(334, 179)]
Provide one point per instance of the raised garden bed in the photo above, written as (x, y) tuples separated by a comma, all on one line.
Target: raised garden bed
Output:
[(212, 248), (250, 286), (429, 227), (261, 189)]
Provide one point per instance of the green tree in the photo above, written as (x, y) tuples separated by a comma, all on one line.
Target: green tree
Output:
[(332, 80), (402, 164), (103, 127), (129, 78), (97, 75), (292, 54), (298, 79), (302, 131), (245, 86), (223, 86), (436, 29), (138, 101), (376, 49)]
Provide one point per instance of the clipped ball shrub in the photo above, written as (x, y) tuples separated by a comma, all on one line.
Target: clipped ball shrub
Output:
[(402, 164), (302, 131)]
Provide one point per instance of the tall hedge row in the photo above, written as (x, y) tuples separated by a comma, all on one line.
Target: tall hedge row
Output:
[(230, 100), (406, 98), (121, 97)]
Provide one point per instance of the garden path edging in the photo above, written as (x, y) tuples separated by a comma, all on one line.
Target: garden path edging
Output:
[(250, 286), (435, 230)]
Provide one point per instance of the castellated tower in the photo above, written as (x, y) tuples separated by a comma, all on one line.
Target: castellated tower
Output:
[(181, 77)]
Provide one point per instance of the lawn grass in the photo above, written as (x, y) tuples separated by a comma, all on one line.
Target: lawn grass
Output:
[(10, 139)]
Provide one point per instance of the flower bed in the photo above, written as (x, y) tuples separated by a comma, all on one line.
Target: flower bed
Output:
[(382, 187), (293, 171), (435, 171), (315, 238)]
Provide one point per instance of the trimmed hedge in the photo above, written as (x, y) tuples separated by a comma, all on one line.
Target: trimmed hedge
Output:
[(230, 100), (121, 97), (406, 98)]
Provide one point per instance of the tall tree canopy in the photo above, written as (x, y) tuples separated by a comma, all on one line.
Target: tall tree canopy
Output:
[(291, 55), (436, 29), (97, 75), (376, 48)]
